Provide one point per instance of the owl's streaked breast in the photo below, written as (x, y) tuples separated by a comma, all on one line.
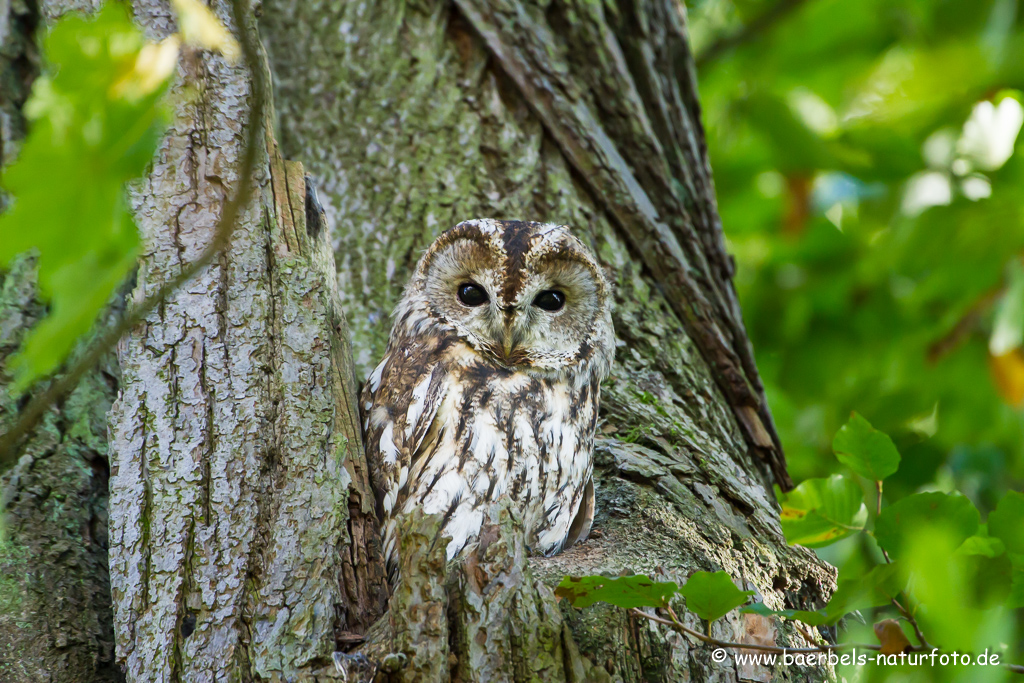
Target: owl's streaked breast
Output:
[(497, 434)]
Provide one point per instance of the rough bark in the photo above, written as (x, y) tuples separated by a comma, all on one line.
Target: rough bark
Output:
[(416, 115), (55, 616), (236, 459)]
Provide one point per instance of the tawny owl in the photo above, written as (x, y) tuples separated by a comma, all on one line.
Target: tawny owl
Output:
[(490, 384)]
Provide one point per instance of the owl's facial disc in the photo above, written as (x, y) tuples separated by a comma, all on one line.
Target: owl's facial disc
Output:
[(522, 295), (544, 326)]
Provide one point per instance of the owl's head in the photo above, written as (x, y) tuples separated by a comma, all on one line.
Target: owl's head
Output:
[(522, 294)]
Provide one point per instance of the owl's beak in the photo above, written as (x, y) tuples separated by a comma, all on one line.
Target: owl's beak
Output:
[(508, 335), (508, 341)]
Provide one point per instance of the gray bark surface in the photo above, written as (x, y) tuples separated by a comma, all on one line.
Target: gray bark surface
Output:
[(235, 453)]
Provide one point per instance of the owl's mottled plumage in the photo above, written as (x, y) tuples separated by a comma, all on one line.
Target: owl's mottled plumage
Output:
[(472, 404)]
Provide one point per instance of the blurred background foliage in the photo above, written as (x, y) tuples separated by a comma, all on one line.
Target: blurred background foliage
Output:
[(863, 156)]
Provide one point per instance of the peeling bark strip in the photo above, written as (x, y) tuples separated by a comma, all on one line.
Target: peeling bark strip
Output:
[(416, 115), (236, 459)]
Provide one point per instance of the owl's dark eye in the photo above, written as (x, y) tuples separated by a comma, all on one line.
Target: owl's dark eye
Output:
[(472, 294), (549, 300)]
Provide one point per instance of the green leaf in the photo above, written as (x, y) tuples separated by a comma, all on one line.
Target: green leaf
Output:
[(626, 592), (1006, 522), (953, 512), (822, 511), (712, 595), (96, 117), (865, 450), (809, 618), (876, 588), (985, 546)]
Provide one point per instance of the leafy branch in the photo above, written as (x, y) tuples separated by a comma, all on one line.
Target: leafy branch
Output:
[(820, 512), (195, 19)]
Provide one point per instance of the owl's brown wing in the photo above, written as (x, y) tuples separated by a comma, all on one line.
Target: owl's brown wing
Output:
[(399, 404)]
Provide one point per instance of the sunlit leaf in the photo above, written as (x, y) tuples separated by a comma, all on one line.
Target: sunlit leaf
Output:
[(865, 450), (909, 83), (626, 591), (200, 27), (96, 120), (819, 512), (711, 595)]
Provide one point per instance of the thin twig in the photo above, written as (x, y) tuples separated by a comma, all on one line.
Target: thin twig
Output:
[(913, 623), (676, 625), (878, 511), (755, 27), (62, 386), (747, 646)]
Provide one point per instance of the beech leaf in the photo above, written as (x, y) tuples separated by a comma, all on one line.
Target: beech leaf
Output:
[(865, 450), (626, 591), (711, 595), (820, 512)]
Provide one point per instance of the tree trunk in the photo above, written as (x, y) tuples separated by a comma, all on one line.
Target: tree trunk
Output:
[(241, 536), (243, 545)]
